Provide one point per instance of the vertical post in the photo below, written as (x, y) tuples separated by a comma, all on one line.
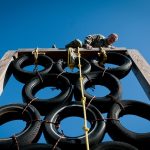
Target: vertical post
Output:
[(4, 68), (141, 69)]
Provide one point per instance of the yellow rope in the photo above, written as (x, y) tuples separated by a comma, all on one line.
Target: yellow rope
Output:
[(83, 99), (71, 64), (103, 56), (36, 54)]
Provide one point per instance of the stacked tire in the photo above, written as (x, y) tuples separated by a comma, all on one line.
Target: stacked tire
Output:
[(68, 103)]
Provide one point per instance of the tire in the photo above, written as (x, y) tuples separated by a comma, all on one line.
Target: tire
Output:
[(73, 76), (23, 75), (96, 132), (123, 63), (118, 132), (38, 146), (44, 105), (96, 78), (32, 131), (114, 145)]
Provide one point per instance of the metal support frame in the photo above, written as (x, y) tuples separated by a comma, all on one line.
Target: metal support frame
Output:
[(140, 67)]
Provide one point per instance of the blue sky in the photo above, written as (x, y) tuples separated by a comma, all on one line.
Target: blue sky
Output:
[(41, 23), (26, 23)]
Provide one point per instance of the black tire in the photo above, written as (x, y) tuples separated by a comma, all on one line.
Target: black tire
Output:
[(96, 78), (95, 134), (44, 105), (123, 63), (23, 75), (118, 132), (32, 131), (114, 145), (73, 76), (39, 146)]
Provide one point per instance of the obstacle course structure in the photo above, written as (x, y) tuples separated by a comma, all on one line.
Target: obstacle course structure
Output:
[(74, 84)]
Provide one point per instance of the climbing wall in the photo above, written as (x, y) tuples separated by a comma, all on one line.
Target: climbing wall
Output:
[(73, 72)]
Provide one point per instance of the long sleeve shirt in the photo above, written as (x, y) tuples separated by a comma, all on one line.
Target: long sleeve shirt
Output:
[(96, 40)]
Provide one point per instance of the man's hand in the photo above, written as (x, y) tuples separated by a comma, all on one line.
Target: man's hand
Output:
[(87, 46), (112, 47)]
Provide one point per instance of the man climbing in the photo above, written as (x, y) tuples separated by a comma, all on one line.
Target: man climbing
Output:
[(96, 40)]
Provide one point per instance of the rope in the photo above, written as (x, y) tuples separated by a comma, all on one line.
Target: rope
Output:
[(83, 99), (104, 119), (16, 141), (54, 147), (54, 123), (36, 55), (71, 58), (34, 120), (88, 104), (104, 72), (28, 105), (39, 76), (61, 73), (46, 121), (103, 56)]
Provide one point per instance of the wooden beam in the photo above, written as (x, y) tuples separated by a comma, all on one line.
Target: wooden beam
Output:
[(141, 69), (63, 53), (5, 70), (63, 49)]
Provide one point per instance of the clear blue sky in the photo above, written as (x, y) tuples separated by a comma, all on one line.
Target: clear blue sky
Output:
[(41, 23)]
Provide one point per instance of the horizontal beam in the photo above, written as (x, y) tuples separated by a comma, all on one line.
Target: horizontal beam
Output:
[(56, 53), (63, 49)]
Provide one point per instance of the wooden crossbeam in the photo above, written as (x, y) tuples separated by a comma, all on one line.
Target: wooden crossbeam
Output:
[(63, 53)]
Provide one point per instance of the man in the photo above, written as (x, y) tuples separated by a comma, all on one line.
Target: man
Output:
[(96, 40)]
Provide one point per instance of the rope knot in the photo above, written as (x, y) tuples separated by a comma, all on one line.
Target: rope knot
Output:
[(83, 99), (102, 55), (86, 129)]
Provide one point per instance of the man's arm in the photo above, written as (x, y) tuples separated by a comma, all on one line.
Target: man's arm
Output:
[(91, 38)]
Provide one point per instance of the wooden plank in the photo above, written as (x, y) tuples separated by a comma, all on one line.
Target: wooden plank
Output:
[(141, 69), (63, 49), (63, 53), (5, 71)]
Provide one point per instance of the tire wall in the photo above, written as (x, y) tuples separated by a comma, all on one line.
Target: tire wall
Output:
[(68, 104)]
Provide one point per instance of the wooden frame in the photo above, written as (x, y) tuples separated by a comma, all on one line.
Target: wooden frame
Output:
[(141, 68)]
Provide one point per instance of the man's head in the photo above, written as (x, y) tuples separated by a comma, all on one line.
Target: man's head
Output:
[(112, 38)]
